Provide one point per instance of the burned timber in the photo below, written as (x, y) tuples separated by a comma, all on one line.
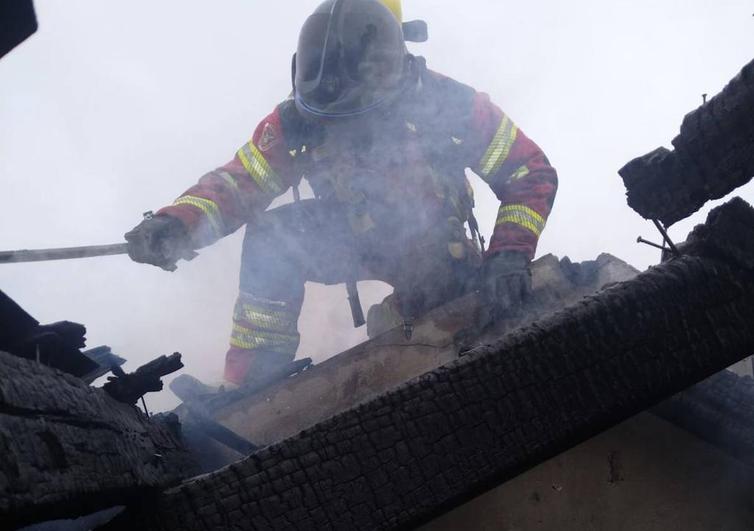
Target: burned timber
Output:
[(465, 413)]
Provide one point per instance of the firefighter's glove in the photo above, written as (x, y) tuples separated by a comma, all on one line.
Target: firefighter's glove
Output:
[(161, 241), (506, 283)]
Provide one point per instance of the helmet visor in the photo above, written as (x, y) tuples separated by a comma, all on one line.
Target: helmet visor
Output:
[(350, 58)]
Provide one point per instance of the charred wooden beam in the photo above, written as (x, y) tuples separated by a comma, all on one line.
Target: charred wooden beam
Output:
[(69, 449), (719, 410), (105, 359), (198, 420), (210, 399), (56, 345), (17, 22), (453, 433), (129, 388), (713, 156), (219, 400)]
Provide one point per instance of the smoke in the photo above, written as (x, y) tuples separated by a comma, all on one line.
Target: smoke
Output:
[(114, 109)]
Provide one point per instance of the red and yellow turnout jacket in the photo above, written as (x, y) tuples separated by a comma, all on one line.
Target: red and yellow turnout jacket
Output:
[(410, 161)]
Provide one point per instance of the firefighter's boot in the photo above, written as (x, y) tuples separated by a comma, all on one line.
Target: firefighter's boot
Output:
[(253, 367)]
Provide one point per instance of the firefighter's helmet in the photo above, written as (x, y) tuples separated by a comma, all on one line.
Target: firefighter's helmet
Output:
[(351, 58)]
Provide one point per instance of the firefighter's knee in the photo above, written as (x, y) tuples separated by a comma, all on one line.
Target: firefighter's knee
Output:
[(269, 270)]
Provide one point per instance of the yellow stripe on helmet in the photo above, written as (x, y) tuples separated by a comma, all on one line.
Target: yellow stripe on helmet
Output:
[(395, 7)]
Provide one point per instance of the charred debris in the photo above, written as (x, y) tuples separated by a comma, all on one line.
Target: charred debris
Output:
[(457, 413)]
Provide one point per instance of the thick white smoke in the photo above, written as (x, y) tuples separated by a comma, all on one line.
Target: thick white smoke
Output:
[(113, 109)]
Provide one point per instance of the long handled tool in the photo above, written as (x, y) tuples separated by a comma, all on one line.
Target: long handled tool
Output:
[(64, 253)]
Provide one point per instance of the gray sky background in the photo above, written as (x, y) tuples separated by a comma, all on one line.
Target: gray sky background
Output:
[(114, 108)]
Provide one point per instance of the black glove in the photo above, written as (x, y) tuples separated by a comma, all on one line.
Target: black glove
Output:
[(159, 240), (506, 282)]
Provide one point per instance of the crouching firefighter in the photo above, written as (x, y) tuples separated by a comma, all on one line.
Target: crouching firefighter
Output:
[(384, 143)]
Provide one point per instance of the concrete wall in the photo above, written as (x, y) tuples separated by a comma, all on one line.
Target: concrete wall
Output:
[(643, 475)]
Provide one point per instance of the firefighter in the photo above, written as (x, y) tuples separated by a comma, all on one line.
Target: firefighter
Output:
[(384, 143)]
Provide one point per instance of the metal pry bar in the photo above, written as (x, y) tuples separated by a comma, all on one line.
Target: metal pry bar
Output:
[(63, 253)]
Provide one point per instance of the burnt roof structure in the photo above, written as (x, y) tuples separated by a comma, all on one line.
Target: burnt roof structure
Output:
[(713, 156), (432, 443), (391, 446), (69, 448)]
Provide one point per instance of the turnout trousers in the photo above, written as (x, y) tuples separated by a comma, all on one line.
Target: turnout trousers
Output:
[(312, 240)]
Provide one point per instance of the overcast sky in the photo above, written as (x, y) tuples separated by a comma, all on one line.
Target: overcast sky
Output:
[(114, 108)]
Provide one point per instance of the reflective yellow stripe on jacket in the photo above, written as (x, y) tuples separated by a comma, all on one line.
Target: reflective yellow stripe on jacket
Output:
[(257, 166), (210, 210), (520, 173), (523, 216), (499, 148), (228, 178)]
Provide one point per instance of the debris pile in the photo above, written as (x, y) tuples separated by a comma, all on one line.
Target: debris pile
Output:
[(713, 156)]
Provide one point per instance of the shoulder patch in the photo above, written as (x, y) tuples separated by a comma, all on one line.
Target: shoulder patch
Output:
[(269, 137), (445, 105)]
